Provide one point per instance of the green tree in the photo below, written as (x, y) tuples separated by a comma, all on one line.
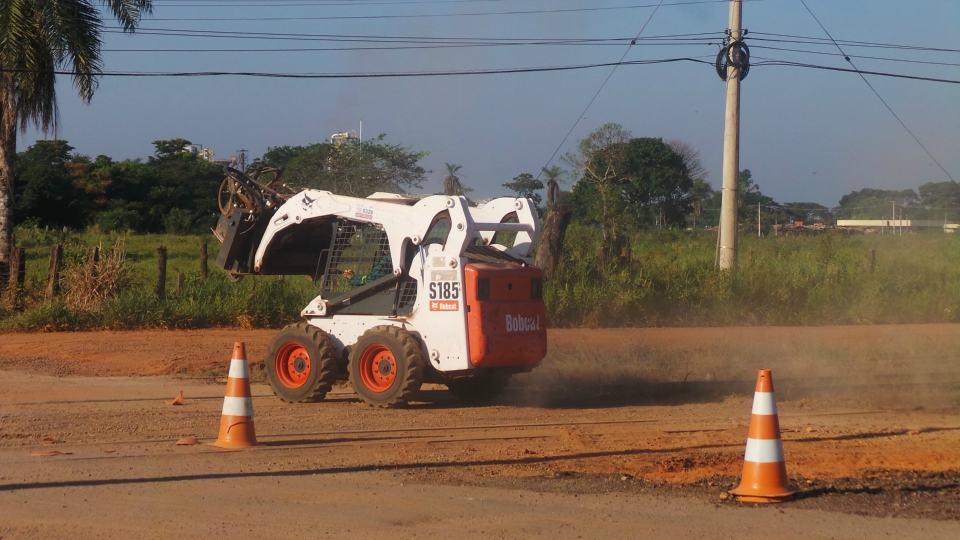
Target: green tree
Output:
[(597, 194), (44, 186), (940, 200), (181, 189), (279, 156), (700, 191), (808, 212), (637, 182), (38, 38), (872, 203), (749, 196), (658, 185), (525, 185), (357, 169)]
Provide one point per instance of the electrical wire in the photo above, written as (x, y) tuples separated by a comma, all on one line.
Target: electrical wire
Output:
[(440, 43), (594, 98), (909, 61), (862, 76), (708, 60), (775, 62), (443, 15), (236, 34), (847, 42), (265, 3), (699, 60), (391, 48)]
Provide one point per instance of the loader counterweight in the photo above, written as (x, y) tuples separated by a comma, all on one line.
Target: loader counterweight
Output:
[(506, 317)]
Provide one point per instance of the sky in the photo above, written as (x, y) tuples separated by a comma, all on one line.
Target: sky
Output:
[(806, 134)]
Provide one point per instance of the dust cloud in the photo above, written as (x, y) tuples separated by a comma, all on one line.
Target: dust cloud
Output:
[(895, 366)]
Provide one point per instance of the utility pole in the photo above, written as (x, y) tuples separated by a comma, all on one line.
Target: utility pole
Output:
[(758, 220), (731, 143), (893, 219)]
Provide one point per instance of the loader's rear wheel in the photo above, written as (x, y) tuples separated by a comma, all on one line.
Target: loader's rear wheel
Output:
[(386, 366), (301, 364), (479, 389)]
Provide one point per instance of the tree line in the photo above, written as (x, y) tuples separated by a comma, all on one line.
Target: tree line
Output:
[(616, 182)]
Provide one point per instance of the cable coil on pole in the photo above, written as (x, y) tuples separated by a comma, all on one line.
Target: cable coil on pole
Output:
[(736, 54)]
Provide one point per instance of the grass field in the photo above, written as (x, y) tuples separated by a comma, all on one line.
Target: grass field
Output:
[(669, 279)]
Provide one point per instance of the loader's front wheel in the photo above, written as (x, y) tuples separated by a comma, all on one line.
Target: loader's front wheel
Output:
[(386, 366), (301, 364)]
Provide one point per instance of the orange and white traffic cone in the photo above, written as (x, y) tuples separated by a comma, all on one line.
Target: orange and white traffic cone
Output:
[(764, 477), (236, 422)]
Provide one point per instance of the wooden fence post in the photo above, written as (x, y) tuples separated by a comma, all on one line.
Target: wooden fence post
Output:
[(53, 273), (161, 273), (181, 280), (18, 272), (873, 260), (203, 261)]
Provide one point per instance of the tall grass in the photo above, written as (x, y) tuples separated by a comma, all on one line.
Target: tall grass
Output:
[(671, 280)]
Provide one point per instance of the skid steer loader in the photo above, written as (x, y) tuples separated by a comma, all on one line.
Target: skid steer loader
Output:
[(410, 290)]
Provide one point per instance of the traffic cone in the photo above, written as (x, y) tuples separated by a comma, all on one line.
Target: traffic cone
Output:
[(764, 477), (236, 423)]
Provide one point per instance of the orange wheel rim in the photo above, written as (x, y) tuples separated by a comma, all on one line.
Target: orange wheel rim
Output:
[(292, 365), (378, 368)]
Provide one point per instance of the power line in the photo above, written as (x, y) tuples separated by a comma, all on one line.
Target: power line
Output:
[(904, 60), (392, 48), (699, 60), (496, 71), (849, 43), (594, 98), (847, 58), (775, 62), (235, 34), (265, 3), (436, 15), (442, 43)]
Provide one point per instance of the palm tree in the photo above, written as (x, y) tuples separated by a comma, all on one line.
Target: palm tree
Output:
[(553, 188), (39, 38), (451, 184)]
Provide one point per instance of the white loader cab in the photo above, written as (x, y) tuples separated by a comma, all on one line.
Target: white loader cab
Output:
[(409, 290)]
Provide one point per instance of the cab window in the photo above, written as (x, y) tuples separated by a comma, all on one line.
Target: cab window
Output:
[(439, 229)]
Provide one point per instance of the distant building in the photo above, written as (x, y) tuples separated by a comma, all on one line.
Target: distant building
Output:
[(208, 153), (897, 225)]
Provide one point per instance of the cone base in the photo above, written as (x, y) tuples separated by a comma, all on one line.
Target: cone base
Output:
[(756, 499), (236, 432), (763, 482)]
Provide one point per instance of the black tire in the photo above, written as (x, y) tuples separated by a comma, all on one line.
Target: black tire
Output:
[(301, 364), (479, 389), (386, 366)]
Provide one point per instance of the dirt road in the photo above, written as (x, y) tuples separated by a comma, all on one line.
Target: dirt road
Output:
[(615, 457)]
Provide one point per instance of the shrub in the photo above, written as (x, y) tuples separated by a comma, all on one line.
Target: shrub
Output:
[(179, 221), (118, 220)]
